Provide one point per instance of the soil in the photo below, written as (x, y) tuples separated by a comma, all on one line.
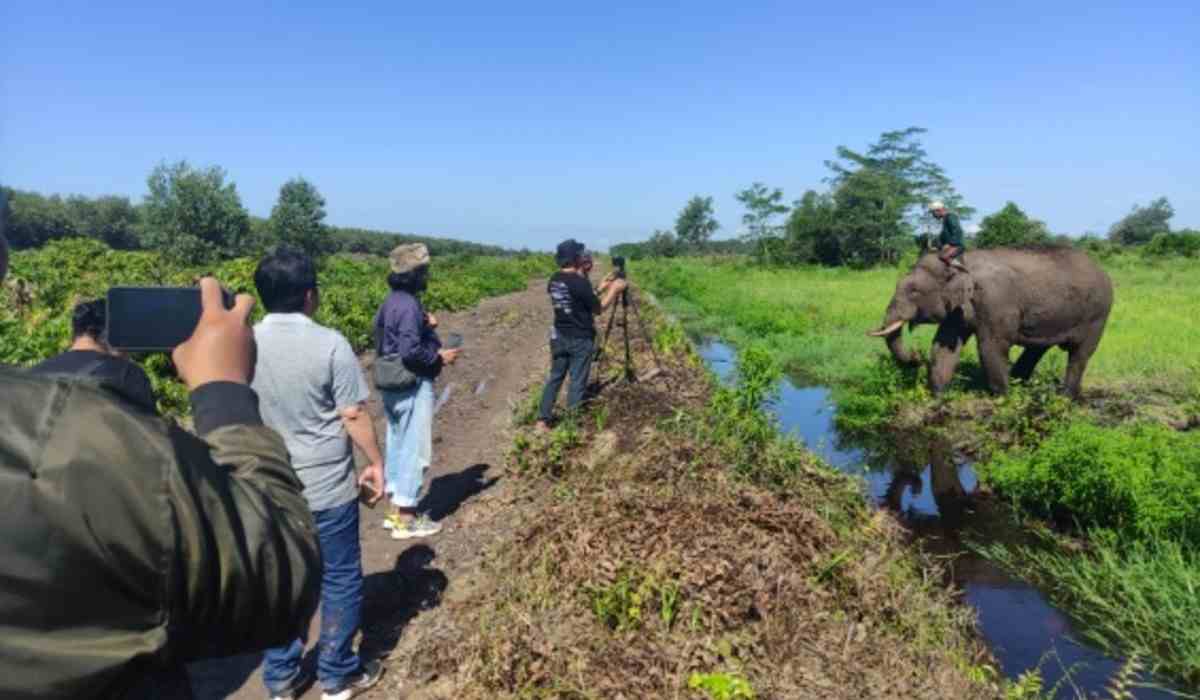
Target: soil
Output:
[(504, 357)]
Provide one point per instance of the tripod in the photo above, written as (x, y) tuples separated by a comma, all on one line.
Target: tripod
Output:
[(627, 301)]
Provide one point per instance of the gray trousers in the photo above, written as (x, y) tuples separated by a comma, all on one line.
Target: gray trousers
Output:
[(567, 354)]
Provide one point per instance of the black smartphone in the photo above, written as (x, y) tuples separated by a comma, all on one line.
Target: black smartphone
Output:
[(154, 318)]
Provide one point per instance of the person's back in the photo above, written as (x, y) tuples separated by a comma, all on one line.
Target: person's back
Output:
[(305, 373), (132, 546), (91, 356)]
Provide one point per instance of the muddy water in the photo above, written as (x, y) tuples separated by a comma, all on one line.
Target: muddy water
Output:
[(929, 488)]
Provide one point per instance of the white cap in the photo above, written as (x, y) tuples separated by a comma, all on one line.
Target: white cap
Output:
[(936, 204)]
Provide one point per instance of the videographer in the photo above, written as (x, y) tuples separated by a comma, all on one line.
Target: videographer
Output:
[(131, 546), (573, 337)]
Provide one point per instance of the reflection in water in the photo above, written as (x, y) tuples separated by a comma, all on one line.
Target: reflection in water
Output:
[(926, 484)]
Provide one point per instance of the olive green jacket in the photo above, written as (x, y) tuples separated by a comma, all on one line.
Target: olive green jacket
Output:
[(129, 546)]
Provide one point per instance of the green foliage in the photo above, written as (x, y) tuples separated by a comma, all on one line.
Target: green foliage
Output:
[(810, 234), (32, 219), (298, 218), (762, 205), (1184, 244), (722, 686), (1142, 481), (695, 223), (192, 215), (1011, 227), (46, 283), (633, 598), (1143, 223)]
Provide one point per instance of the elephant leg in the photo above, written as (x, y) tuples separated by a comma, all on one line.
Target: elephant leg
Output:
[(1079, 355), (1028, 361), (947, 348), (993, 353)]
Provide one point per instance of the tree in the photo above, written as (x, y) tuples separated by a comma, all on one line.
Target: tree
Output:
[(193, 215), (762, 206), (1143, 223), (810, 234), (662, 244), (894, 180), (111, 219), (695, 224), (1011, 227), (298, 218)]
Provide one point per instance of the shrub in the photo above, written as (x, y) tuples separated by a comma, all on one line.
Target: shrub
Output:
[(1142, 481)]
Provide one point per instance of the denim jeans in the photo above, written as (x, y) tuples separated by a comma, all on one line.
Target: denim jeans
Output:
[(575, 355), (409, 445), (341, 608)]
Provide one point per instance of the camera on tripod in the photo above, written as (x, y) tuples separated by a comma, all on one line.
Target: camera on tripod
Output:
[(618, 262)]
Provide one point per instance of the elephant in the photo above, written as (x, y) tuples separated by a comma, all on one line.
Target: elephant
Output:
[(1035, 298)]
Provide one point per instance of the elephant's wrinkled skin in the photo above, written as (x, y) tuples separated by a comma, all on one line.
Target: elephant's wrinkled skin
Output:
[(1033, 298)]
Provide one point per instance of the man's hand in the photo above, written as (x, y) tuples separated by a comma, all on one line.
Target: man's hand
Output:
[(449, 355), (372, 478), (431, 320), (618, 285), (221, 349)]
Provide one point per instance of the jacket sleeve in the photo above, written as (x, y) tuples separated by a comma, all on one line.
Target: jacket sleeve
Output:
[(417, 351), (246, 569)]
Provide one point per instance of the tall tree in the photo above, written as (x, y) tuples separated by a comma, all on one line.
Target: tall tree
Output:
[(193, 215), (811, 231), (1143, 223), (298, 218), (891, 183), (1011, 227), (762, 205), (696, 224), (111, 219)]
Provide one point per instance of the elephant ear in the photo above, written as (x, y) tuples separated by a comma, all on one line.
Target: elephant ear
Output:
[(960, 289)]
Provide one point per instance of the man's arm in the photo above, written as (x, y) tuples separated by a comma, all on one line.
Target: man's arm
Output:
[(610, 295)]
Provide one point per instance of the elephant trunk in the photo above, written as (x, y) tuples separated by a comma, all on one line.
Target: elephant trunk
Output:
[(892, 332)]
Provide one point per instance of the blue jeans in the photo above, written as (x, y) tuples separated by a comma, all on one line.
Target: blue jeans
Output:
[(575, 355), (341, 608), (409, 445)]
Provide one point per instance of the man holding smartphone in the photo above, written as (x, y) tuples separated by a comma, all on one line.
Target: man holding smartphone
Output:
[(314, 393), (115, 522)]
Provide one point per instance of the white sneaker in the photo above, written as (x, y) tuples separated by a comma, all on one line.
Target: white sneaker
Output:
[(372, 671), (420, 526)]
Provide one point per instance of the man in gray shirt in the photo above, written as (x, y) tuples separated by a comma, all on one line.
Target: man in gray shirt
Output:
[(312, 391)]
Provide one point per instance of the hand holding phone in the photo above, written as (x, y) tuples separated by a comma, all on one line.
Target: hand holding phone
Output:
[(155, 318), (221, 347)]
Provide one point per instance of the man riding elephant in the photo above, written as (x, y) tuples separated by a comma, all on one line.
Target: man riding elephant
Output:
[(950, 240)]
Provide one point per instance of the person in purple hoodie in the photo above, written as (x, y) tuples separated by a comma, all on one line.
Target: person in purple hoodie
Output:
[(403, 328)]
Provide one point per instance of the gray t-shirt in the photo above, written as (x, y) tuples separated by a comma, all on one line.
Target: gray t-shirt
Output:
[(307, 373)]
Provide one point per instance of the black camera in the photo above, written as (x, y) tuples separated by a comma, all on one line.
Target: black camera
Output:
[(619, 263)]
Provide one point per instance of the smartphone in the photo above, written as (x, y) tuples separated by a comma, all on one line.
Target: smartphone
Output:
[(154, 318), (453, 340)]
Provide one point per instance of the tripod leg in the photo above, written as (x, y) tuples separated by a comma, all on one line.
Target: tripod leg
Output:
[(629, 374)]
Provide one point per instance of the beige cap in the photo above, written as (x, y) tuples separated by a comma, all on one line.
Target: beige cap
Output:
[(936, 204), (408, 257)]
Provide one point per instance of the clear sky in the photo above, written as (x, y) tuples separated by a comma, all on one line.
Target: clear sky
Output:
[(521, 123)]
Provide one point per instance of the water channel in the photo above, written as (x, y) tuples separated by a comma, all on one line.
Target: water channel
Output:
[(928, 489)]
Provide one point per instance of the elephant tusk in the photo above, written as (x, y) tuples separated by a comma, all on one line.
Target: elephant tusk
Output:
[(890, 329)]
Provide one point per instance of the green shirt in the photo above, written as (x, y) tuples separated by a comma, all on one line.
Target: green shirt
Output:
[(952, 233)]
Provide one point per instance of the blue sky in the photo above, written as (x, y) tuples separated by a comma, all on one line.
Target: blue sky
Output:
[(523, 123)]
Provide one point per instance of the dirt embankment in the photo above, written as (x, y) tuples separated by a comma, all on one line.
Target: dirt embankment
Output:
[(618, 556)]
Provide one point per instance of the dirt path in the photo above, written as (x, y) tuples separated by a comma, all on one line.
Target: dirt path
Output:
[(504, 353)]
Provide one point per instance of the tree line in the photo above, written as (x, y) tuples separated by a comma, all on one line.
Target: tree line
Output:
[(195, 215), (874, 211)]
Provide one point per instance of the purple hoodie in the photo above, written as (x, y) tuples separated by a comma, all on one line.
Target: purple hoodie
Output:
[(401, 329)]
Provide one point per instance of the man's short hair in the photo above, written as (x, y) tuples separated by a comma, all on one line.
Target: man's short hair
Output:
[(283, 278), (569, 252), (90, 318)]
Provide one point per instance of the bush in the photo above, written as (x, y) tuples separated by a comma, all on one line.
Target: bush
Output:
[(1141, 481), (1184, 243)]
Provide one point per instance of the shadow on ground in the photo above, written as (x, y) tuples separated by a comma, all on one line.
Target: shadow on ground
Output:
[(447, 493)]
